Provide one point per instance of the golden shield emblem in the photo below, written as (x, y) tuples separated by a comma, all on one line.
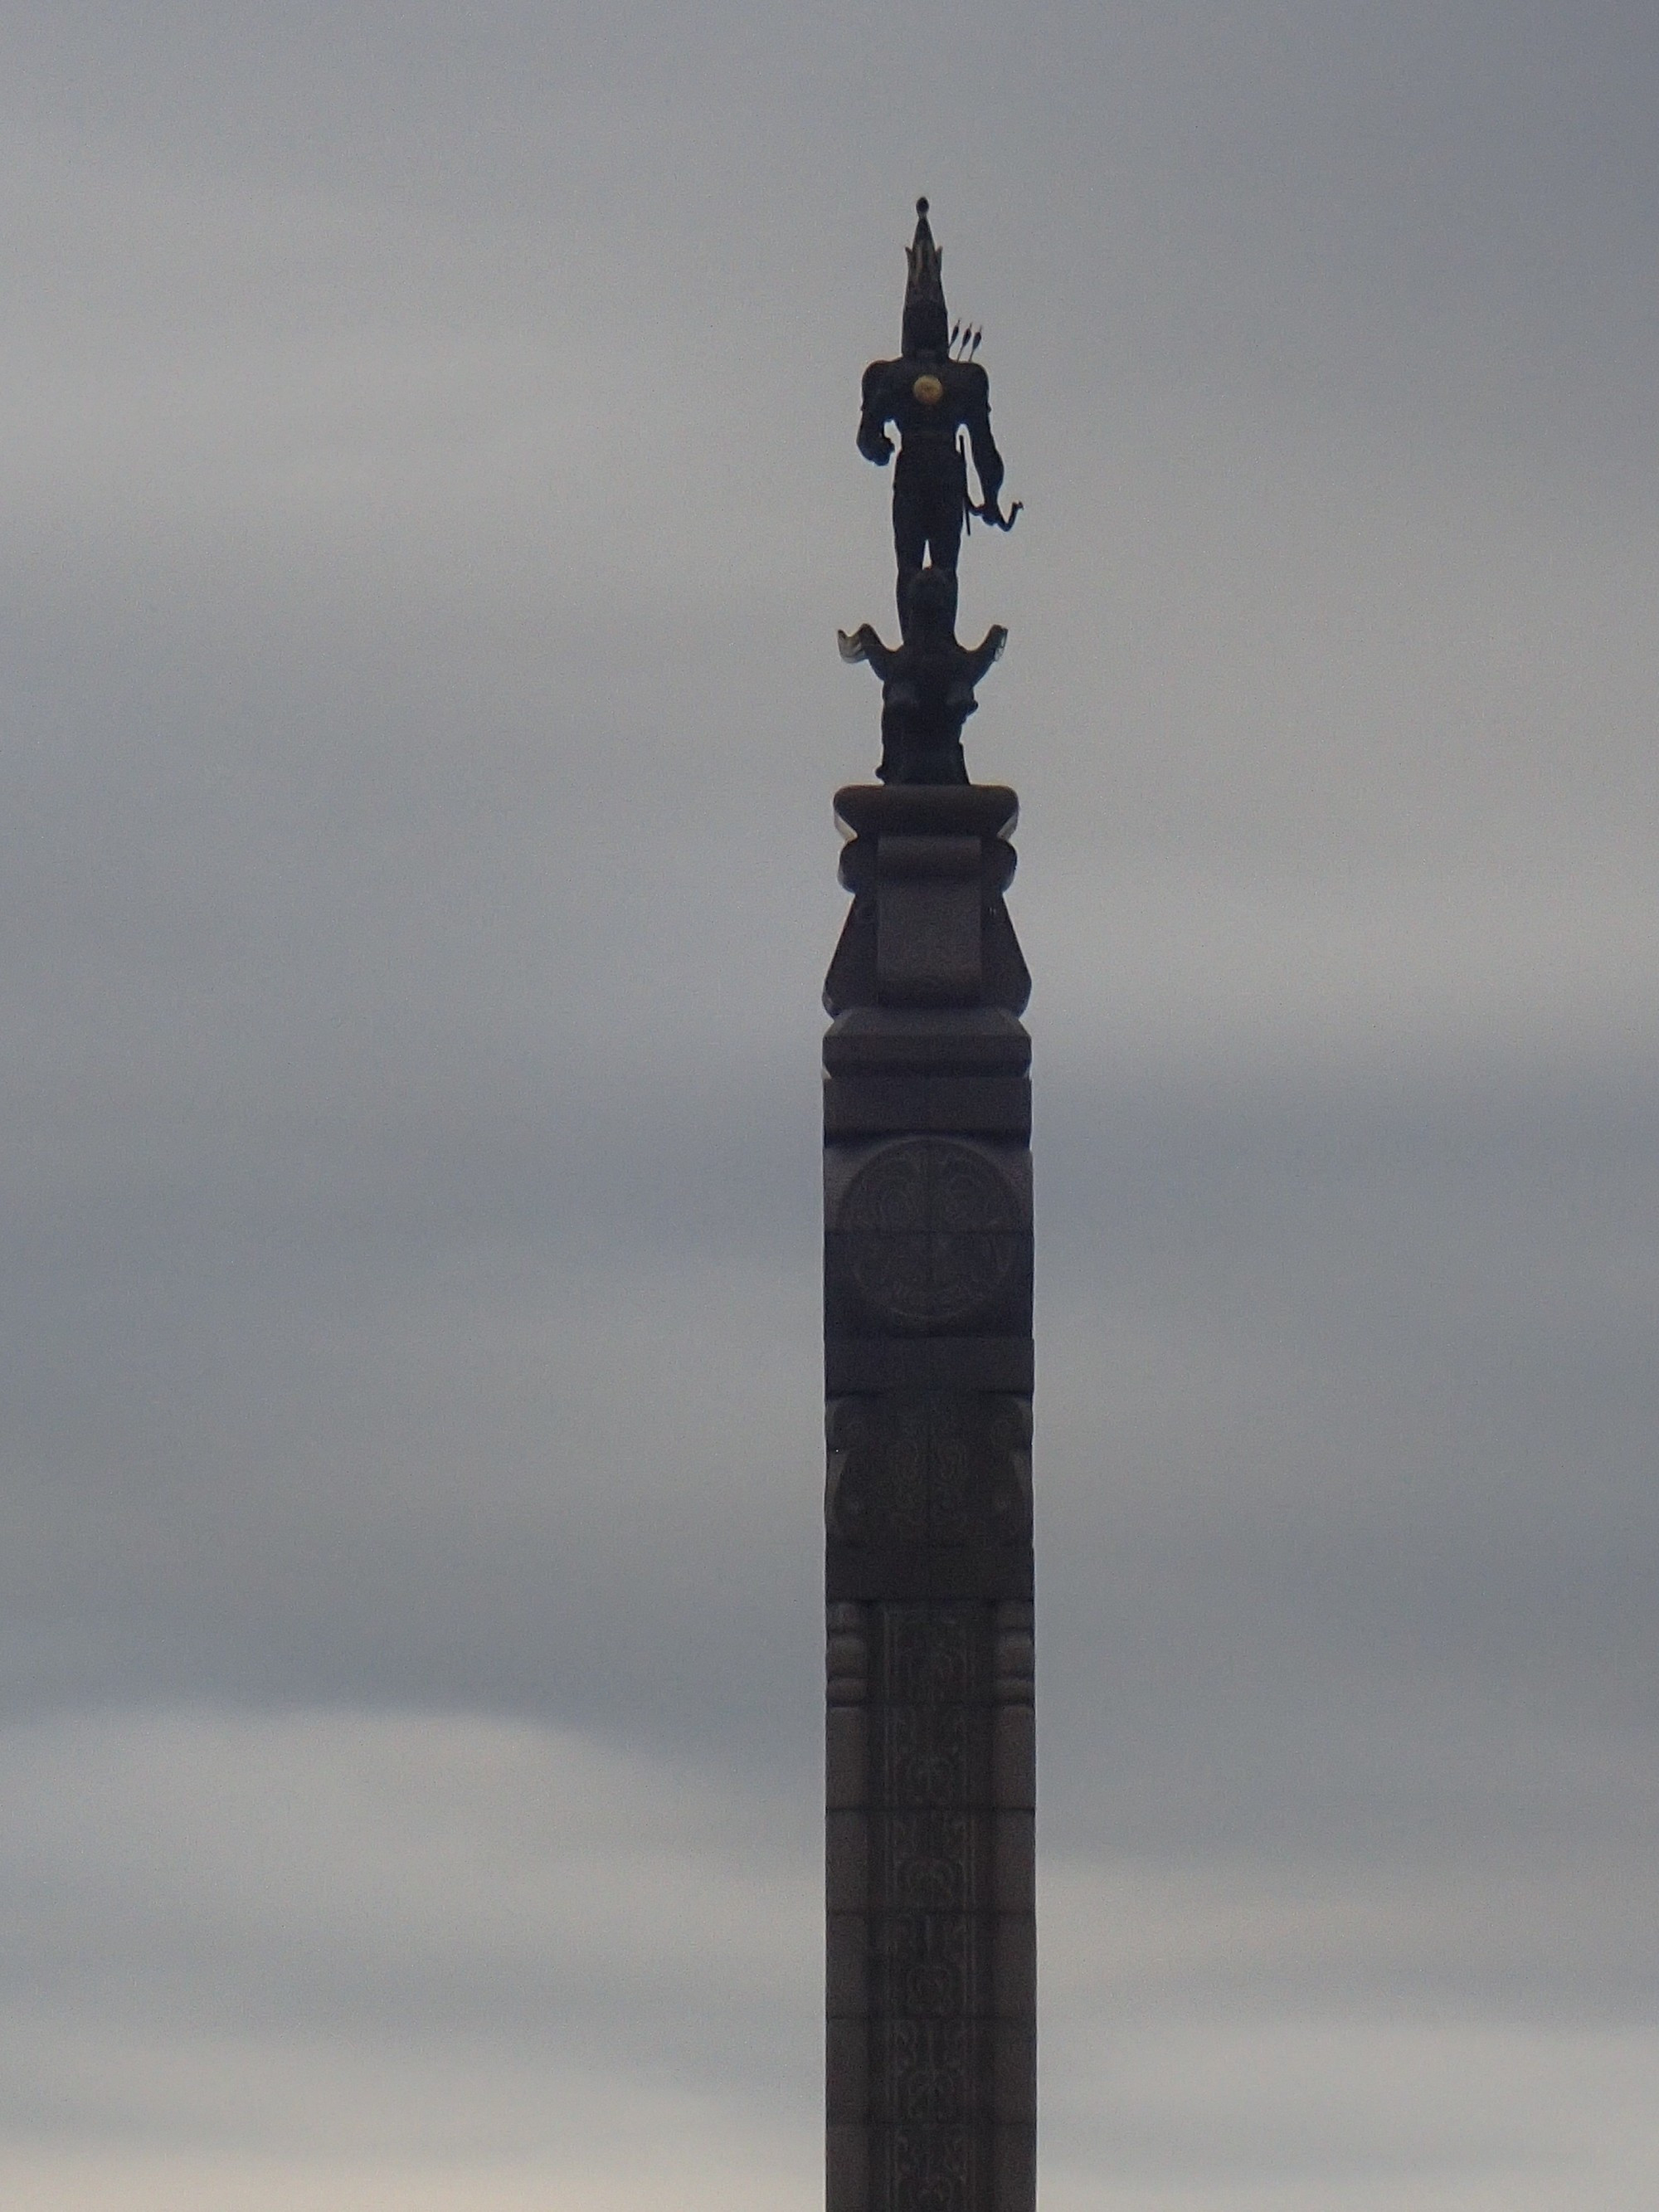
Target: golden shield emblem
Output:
[(928, 389)]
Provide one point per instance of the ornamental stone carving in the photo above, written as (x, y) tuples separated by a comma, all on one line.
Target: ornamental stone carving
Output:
[(929, 1231), (929, 1468)]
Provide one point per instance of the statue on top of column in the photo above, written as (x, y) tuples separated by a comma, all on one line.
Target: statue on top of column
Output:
[(933, 394), (934, 391)]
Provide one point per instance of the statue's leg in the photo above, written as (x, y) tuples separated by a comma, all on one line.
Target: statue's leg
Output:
[(945, 530), (909, 544)]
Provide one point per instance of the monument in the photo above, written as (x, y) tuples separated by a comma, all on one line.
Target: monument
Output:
[(930, 1765)]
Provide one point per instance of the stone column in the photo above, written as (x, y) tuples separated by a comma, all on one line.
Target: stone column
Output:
[(931, 1745)]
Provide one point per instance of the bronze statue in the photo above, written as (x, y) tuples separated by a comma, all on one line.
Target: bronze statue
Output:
[(931, 397), (926, 682), (935, 392)]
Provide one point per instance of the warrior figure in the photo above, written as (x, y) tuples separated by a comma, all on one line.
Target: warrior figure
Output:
[(927, 684), (930, 397)]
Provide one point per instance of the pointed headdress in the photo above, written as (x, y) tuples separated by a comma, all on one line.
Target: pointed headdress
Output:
[(927, 323)]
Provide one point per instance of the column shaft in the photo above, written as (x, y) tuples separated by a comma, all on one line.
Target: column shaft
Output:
[(930, 1739)]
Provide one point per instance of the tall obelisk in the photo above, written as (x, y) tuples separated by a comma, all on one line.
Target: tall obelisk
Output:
[(930, 1725)]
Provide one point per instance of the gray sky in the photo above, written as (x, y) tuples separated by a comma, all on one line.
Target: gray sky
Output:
[(430, 495)]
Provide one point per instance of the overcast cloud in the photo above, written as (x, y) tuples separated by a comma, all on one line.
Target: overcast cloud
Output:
[(429, 492)]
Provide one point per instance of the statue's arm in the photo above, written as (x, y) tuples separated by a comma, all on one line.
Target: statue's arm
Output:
[(874, 443), (976, 419)]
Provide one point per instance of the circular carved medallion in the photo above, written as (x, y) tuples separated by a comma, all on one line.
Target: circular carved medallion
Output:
[(929, 390), (934, 1231)]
